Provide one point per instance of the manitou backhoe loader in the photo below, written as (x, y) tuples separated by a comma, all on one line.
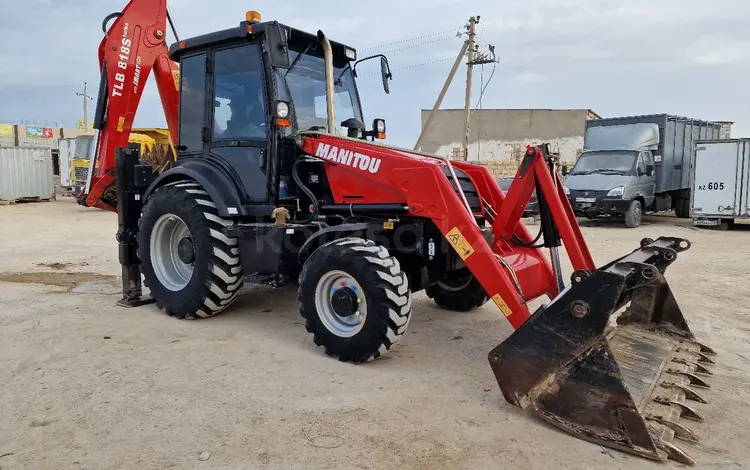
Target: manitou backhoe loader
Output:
[(267, 188)]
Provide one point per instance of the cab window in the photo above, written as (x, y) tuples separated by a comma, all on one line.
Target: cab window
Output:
[(240, 111)]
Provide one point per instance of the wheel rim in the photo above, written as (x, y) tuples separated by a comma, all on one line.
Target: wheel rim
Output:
[(341, 303), (457, 283), (637, 213), (173, 272)]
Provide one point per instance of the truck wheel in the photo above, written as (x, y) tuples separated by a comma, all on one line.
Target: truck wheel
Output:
[(458, 291), (355, 299), (684, 208), (634, 216), (192, 269)]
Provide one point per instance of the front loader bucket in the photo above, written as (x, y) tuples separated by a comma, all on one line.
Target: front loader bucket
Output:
[(625, 387)]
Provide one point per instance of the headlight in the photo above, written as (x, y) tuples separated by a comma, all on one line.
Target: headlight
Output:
[(618, 191), (567, 191), (282, 109)]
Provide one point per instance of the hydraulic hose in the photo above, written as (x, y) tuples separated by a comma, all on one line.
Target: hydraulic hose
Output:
[(306, 190)]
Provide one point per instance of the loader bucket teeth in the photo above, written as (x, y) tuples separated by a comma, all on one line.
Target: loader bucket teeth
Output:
[(622, 386)]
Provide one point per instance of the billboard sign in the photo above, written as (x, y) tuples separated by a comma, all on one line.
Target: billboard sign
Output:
[(40, 132)]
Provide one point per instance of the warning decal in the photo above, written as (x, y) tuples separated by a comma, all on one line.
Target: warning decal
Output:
[(459, 243), (502, 305)]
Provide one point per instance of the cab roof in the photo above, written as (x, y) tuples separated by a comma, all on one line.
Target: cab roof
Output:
[(227, 36)]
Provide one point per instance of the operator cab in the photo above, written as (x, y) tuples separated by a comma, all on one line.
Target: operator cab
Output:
[(244, 94)]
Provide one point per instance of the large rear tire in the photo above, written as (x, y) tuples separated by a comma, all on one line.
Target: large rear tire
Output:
[(355, 299), (191, 267), (458, 291)]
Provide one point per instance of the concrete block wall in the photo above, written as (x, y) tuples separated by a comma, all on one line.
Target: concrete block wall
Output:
[(503, 134), (500, 169), (12, 135)]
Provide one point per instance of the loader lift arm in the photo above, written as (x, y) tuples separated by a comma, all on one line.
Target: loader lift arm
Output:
[(133, 46)]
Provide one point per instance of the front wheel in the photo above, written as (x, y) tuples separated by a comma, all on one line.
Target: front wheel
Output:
[(355, 299), (634, 216), (458, 291)]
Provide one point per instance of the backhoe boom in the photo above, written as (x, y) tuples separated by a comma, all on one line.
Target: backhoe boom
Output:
[(133, 46)]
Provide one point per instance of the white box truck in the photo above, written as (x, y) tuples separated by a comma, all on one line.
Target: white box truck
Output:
[(721, 182)]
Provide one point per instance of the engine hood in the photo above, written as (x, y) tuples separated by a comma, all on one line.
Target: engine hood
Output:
[(595, 182)]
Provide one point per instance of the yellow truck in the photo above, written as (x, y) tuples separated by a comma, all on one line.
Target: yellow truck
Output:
[(156, 148)]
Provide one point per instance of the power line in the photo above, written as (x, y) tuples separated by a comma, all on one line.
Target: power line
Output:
[(412, 66), (416, 38), (419, 44), (484, 87)]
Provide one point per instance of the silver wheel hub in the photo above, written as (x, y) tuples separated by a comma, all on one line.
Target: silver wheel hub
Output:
[(172, 252), (341, 304)]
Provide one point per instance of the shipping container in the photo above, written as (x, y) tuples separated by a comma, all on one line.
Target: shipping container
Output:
[(26, 173), (721, 186)]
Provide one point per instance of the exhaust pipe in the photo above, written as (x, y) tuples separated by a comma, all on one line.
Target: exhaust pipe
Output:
[(328, 56)]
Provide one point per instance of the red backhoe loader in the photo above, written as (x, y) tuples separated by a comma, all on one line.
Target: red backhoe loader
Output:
[(278, 181)]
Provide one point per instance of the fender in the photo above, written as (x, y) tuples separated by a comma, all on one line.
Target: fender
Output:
[(220, 186), (327, 235)]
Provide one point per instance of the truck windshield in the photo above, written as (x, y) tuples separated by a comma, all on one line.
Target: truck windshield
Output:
[(83, 146), (307, 84), (604, 162)]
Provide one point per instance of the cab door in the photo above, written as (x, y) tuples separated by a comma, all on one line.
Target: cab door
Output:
[(240, 124), (646, 185)]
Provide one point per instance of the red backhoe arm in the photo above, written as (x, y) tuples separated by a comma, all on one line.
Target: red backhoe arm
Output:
[(132, 47)]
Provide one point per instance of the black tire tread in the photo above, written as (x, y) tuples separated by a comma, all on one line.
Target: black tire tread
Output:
[(471, 297), (629, 221), (218, 291), (389, 300)]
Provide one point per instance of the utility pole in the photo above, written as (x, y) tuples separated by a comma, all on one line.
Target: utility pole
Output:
[(439, 100), (85, 108), (469, 74)]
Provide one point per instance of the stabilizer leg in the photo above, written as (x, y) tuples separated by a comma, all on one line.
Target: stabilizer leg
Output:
[(131, 179)]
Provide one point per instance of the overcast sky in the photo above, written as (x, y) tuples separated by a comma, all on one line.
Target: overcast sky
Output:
[(617, 57)]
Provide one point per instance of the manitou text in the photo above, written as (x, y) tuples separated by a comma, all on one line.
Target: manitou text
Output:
[(348, 157)]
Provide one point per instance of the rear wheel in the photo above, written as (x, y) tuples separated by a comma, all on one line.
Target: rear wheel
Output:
[(634, 216), (355, 299), (682, 208), (458, 291), (191, 267)]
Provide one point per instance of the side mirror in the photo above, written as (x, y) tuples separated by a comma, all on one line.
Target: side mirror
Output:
[(649, 169), (565, 170), (278, 46), (378, 129), (385, 72)]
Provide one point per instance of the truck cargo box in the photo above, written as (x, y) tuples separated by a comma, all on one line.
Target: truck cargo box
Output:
[(721, 188)]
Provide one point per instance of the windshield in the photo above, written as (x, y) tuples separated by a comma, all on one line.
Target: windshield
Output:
[(307, 85), (83, 146), (604, 162)]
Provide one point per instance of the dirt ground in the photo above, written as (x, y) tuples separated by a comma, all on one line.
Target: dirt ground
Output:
[(87, 384)]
